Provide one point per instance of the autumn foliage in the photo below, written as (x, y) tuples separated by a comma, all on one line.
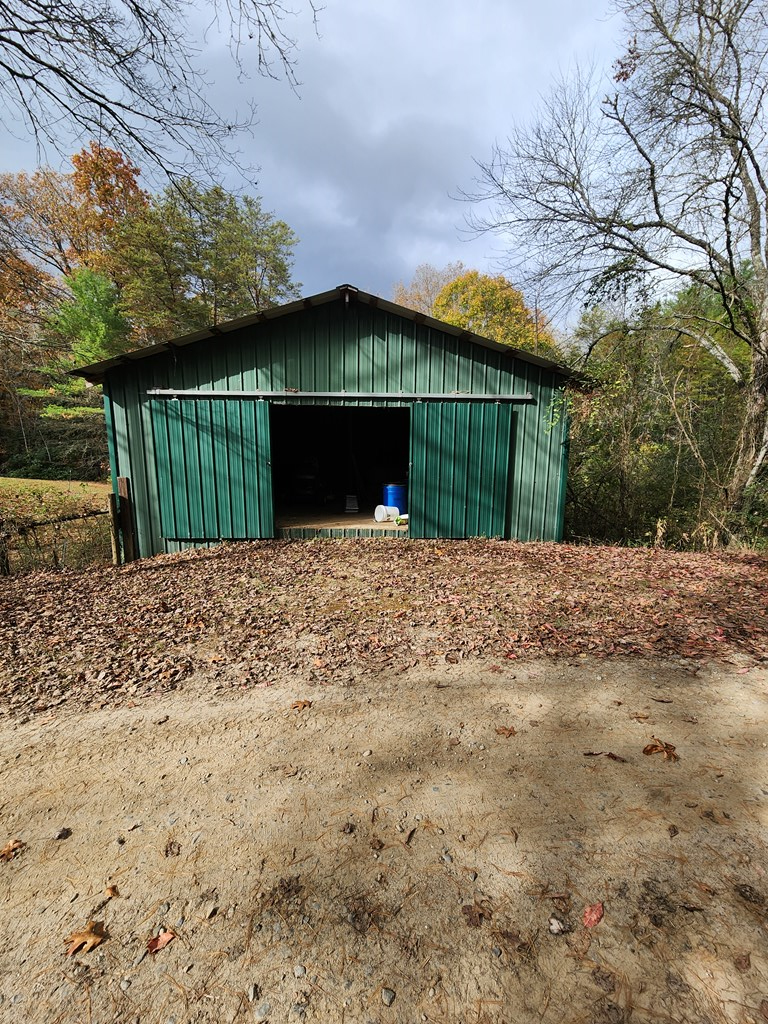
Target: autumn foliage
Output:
[(93, 265), (493, 308)]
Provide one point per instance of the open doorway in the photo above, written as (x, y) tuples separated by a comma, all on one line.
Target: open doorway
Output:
[(323, 455)]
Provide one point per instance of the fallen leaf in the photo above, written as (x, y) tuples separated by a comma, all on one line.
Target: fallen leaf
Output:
[(111, 892), (11, 848), (593, 915), (673, 831), (160, 941), (513, 938), (604, 979), (475, 913), (660, 747), (301, 705), (605, 753), (376, 844), (506, 731), (743, 962), (91, 936), (750, 895), (562, 902)]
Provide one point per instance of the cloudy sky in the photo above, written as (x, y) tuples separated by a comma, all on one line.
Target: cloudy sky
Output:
[(397, 98)]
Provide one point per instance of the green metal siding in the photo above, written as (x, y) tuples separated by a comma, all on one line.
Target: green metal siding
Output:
[(459, 469), (202, 472), (536, 496), (212, 465)]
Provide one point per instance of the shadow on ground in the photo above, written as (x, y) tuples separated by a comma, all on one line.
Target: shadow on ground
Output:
[(387, 854)]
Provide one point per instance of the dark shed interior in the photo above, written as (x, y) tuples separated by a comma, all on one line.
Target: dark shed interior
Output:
[(321, 454)]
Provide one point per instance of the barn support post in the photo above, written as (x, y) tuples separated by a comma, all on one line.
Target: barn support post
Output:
[(114, 528), (127, 531)]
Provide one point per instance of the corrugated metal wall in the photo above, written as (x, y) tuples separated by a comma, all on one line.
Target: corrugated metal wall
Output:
[(199, 469), (460, 456), (213, 474)]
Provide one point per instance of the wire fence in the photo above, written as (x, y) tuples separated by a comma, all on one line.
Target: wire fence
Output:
[(70, 542)]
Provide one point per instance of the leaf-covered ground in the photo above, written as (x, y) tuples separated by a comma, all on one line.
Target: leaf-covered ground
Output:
[(378, 782), (336, 610)]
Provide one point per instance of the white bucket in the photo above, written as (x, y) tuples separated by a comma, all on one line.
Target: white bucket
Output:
[(385, 513)]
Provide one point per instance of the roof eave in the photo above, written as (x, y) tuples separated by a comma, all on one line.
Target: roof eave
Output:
[(95, 373)]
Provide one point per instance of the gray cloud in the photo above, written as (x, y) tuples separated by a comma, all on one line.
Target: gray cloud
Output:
[(397, 98)]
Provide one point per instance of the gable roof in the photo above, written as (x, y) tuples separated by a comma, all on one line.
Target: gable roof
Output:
[(96, 372)]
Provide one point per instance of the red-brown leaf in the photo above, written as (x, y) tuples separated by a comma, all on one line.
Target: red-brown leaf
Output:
[(593, 915), (160, 941), (660, 747)]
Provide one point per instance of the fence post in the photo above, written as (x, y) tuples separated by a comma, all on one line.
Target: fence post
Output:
[(126, 519), (114, 528), (5, 560)]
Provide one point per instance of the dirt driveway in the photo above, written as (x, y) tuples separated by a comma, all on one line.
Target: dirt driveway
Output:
[(394, 842)]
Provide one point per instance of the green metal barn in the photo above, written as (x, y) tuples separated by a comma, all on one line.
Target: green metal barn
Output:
[(280, 424)]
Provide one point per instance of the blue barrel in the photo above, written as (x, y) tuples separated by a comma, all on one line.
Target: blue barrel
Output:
[(396, 495)]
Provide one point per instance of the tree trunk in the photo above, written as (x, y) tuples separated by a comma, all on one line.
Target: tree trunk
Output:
[(753, 441)]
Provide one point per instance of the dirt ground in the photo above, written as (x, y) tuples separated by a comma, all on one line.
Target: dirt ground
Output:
[(403, 842)]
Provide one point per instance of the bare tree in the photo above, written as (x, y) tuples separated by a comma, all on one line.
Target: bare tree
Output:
[(662, 179), (129, 71), (425, 285)]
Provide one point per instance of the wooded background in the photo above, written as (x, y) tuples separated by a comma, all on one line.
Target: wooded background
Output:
[(634, 209)]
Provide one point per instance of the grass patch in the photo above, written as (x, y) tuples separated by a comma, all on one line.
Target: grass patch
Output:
[(34, 539), (30, 501)]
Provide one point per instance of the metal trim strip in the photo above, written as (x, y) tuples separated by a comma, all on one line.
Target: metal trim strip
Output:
[(399, 396)]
